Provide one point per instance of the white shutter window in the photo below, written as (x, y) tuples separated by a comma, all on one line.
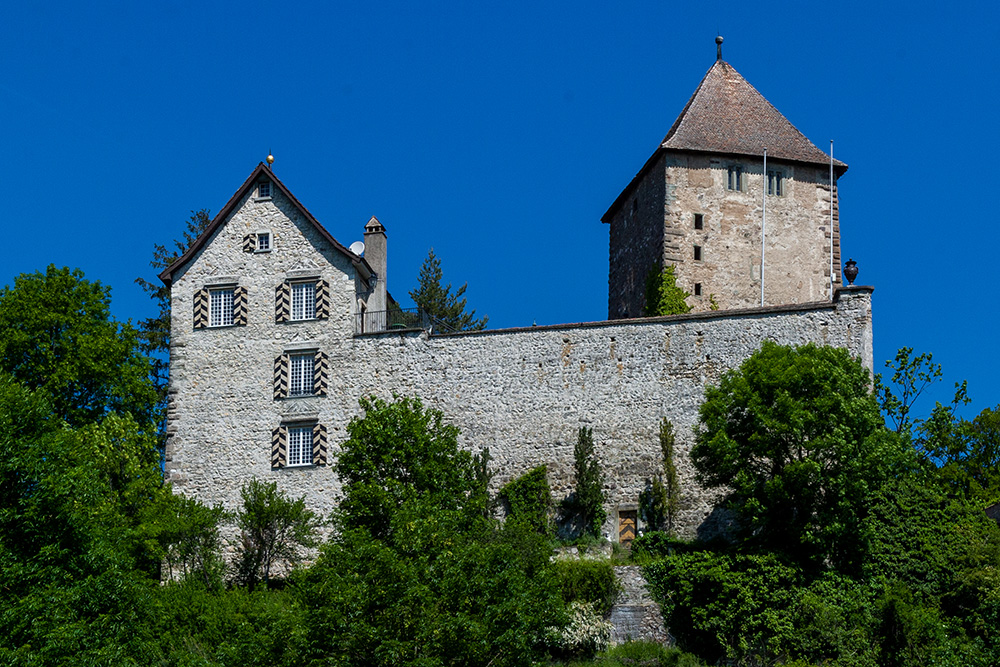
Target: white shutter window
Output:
[(300, 446), (302, 382), (303, 301), (221, 307)]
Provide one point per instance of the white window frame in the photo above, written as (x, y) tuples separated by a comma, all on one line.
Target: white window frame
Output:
[(303, 298), (301, 369), (220, 310), (263, 242), (264, 190), (299, 446)]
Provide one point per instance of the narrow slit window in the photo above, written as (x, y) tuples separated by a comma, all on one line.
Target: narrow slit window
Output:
[(699, 221), (735, 179), (697, 253), (697, 289), (775, 183)]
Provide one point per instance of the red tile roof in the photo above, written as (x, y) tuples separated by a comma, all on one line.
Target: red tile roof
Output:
[(727, 115)]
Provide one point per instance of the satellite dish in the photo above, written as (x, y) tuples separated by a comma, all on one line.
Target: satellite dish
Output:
[(358, 247)]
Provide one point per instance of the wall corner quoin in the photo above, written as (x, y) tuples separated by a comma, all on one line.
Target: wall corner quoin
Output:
[(853, 303)]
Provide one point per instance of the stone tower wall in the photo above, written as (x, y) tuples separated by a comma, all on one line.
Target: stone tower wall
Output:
[(680, 185)]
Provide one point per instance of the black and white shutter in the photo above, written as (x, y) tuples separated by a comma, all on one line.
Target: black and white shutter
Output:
[(322, 299), (240, 306), (279, 447), (281, 376), (201, 305), (321, 371), (319, 445), (282, 302), (249, 243)]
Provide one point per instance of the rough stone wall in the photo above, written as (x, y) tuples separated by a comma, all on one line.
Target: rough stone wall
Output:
[(524, 393), (797, 254), (635, 616)]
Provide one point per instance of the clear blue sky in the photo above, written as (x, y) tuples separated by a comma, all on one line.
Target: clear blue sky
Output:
[(499, 133)]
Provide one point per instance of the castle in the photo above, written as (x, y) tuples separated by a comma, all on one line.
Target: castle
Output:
[(277, 329)]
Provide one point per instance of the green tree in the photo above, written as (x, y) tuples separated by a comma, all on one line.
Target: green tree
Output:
[(400, 451), (663, 296), (155, 331), (584, 510), (185, 536), (274, 531), (796, 438), (439, 303), (57, 336), (528, 499), (660, 501)]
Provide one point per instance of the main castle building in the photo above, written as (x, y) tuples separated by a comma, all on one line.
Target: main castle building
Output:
[(277, 329)]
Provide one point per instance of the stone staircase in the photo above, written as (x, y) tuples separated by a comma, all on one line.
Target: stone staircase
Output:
[(635, 615)]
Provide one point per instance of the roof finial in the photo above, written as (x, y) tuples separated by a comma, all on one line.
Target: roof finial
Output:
[(270, 159), (718, 47)]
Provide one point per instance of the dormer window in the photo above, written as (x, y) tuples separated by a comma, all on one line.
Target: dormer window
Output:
[(264, 190)]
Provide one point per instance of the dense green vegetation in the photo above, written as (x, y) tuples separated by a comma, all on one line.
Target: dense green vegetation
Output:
[(852, 543)]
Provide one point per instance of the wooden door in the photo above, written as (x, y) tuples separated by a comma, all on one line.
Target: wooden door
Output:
[(626, 526)]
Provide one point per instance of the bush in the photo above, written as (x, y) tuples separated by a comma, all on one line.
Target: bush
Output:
[(591, 581), (650, 546), (586, 634)]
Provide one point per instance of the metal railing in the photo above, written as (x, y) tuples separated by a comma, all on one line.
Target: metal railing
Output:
[(397, 319)]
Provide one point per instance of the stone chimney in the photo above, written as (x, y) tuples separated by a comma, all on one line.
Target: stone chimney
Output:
[(377, 257)]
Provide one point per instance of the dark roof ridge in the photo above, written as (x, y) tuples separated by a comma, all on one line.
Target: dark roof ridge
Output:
[(167, 274)]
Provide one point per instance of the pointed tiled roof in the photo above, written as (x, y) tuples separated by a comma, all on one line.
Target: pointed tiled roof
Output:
[(167, 274), (727, 115)]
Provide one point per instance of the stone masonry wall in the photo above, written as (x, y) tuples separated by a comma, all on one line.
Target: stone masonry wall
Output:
[(523, 393), (661, 228)]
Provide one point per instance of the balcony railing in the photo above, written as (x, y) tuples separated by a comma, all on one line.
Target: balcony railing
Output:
[(397, 319)]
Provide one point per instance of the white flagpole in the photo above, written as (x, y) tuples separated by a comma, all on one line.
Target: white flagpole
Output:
[(763, 229), (832, 281)]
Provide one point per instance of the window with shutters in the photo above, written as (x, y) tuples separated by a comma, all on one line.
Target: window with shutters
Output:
[(263, 241), (220, 313), (303, 301), (300, 446), (301, 368), (297, 445)]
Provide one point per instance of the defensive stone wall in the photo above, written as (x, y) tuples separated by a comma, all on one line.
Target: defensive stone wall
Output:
[(524, 393)]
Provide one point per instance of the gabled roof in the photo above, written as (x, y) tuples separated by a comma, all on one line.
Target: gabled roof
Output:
[(727, 115), (167, 274)]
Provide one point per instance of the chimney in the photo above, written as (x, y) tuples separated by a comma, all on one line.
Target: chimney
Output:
[(377, 257)]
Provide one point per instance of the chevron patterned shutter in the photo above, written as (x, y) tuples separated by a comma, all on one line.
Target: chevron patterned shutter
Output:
[(319, 445), (249, 243), (240, 306), (322, 299), (282, 302), (201, 300), (279, 447), (321, 371), (281, 376)]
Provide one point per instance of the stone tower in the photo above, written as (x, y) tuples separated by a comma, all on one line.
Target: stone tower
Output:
[(698, 203)]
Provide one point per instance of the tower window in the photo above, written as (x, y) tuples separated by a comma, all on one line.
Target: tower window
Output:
[(264, 189), (734, 179), (697, 253), (699, 221), (697, 289), (775, 183)]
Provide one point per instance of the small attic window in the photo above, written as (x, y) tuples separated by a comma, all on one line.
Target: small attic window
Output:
[(264, 190), (263, 242)]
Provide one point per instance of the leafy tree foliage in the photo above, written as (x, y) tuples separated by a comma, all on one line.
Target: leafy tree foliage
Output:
[(584, 510), (660, 501), (57, 336), (528, 499), (185, 536), (274, 530), (439, 302), (797, 439), (400, 451), (663, 296), (155, 331)]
